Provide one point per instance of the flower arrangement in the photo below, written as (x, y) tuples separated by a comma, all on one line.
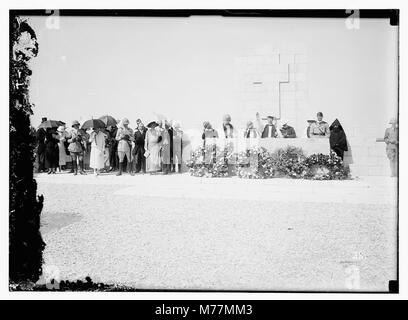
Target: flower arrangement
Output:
[(258, 163), (208, 162), (255, 163), (289, 162), (326, 167)]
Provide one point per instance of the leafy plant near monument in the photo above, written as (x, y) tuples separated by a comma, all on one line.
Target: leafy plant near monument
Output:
[(258, 163), (25, 241), (209, 162)]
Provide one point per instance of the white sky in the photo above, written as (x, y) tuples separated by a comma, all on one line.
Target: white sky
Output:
[(185, 69)]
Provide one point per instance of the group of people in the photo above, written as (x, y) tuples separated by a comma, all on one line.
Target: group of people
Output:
[(316, 128), (157, 147), (152, 148)]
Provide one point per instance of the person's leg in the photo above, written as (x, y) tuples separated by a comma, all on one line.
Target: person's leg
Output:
[(121, 156), (81, 163), (129, 167)]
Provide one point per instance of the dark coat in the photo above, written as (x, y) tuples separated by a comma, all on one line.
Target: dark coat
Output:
[(288, 132), (40, 135), (51, 150), (338, 140), (266, 130)]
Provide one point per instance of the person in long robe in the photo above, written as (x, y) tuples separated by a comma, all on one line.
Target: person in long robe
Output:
[(125, 138), (209, 137), (97, 159), (139, 160), (40, 136), (269, 130), (152, 147), (113, 148), (338, 140), (227, 130), (62, 136), (166, 148), (51, 150), (391, 140), (250, 131), (177, 147)]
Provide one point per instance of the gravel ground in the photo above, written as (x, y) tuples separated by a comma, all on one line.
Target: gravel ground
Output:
[(160, 232)]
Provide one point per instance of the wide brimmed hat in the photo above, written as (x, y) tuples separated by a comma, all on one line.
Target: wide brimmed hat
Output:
[(75, 122), (393, 121), (152, 124)]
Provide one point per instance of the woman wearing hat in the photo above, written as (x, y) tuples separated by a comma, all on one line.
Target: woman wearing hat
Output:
[(209, 136), (76, 148), (62, 136), (97, 159), (51, 150), (152, 147), (124, 136)]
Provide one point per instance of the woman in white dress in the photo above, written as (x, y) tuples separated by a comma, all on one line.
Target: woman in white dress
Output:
[(153, 147), (62, 136), (97, 160)]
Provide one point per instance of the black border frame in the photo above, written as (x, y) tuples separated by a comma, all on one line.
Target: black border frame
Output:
[(391, 14)]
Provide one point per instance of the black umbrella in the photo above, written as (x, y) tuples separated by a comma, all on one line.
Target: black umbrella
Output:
[(93, 123), (50, 124), (108, 120)]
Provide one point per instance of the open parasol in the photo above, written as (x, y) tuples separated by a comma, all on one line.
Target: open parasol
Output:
[(50, 124), (93, 123), (108, 120)]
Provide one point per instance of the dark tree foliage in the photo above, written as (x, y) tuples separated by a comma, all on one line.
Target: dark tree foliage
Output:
[(25, 241)]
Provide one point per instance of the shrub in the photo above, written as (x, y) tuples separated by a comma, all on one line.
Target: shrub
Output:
[(25, 241)]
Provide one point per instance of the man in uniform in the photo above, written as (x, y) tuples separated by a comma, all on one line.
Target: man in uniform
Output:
[(391, 140), (319, 129)]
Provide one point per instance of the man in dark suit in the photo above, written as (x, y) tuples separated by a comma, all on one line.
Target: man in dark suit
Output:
[(269, 130)]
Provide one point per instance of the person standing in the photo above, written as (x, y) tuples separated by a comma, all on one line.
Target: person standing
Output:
[(113, 148), (139, 159), (250, 131), (152, 148), (320, 128), (51, 150), (177, 147), (391, 140), (269, 131), (227, 127), (40, 136), (76, 148), (125, 138), (97, 159), (338, 140), (209, 137), (166, 148), (62, 136)]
